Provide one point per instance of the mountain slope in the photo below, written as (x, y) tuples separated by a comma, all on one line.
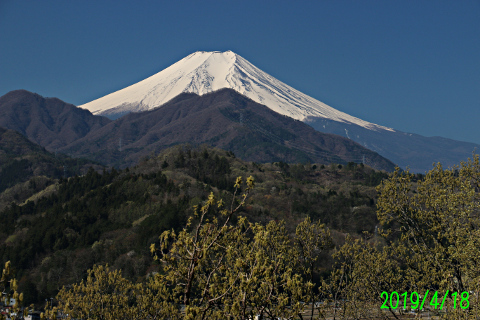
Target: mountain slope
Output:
[(112, 218), (408, 150), (48, 122), (205, 72), (225, 119), (21, 160)]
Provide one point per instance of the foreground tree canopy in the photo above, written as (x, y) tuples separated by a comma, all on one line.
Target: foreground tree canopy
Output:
[(221, 266), (8, 289)]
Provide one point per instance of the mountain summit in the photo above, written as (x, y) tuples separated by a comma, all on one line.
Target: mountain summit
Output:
[(204, 72)]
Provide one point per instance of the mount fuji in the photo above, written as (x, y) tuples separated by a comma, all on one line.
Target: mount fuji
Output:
[(205, 72)]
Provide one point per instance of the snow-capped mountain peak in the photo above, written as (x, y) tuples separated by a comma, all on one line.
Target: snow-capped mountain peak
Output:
[(203, 72)]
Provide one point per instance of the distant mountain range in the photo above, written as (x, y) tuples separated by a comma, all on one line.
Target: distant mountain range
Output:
[(49, 122), (223, 118), (220, 99), (205, 72)]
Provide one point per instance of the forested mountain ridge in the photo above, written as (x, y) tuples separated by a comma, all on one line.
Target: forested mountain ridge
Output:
[(49, 122), (206, 72), (22, 161), (221, 265), (224, 119), (113, 217)]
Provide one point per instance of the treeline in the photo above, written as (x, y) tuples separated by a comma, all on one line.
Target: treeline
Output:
[(15, 171), (222, 267), (112, 217), (60, 236), (21, 160)]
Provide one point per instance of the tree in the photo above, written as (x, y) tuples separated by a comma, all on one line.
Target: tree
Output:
[(212, 269), (8, 290), (196, 256), (264, 273), (107, 295), (221, 266), (435, 226), (104, 295), (311, 239), (362, 271), (222, 270)]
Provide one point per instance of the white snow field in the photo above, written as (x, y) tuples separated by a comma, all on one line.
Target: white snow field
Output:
[(203, 72)]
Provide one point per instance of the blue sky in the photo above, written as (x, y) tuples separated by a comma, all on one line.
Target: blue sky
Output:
[(410, 65)]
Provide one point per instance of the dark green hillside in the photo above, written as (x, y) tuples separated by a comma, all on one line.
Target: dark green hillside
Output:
[(21, 159), (113, 217), (26, 168), (341, 196)]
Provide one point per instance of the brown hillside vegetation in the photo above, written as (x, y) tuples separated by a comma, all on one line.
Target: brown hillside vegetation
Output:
[(48, 122), (269, 245), (218, 267), (223, 119), (113, 217)]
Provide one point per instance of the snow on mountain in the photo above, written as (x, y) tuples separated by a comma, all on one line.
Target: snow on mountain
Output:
[(203, 72)]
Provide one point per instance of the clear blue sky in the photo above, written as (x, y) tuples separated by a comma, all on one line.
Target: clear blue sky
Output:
[(410, 65)]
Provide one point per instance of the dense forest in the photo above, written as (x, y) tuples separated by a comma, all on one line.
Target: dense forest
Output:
[(26, 168), (329, 239)]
